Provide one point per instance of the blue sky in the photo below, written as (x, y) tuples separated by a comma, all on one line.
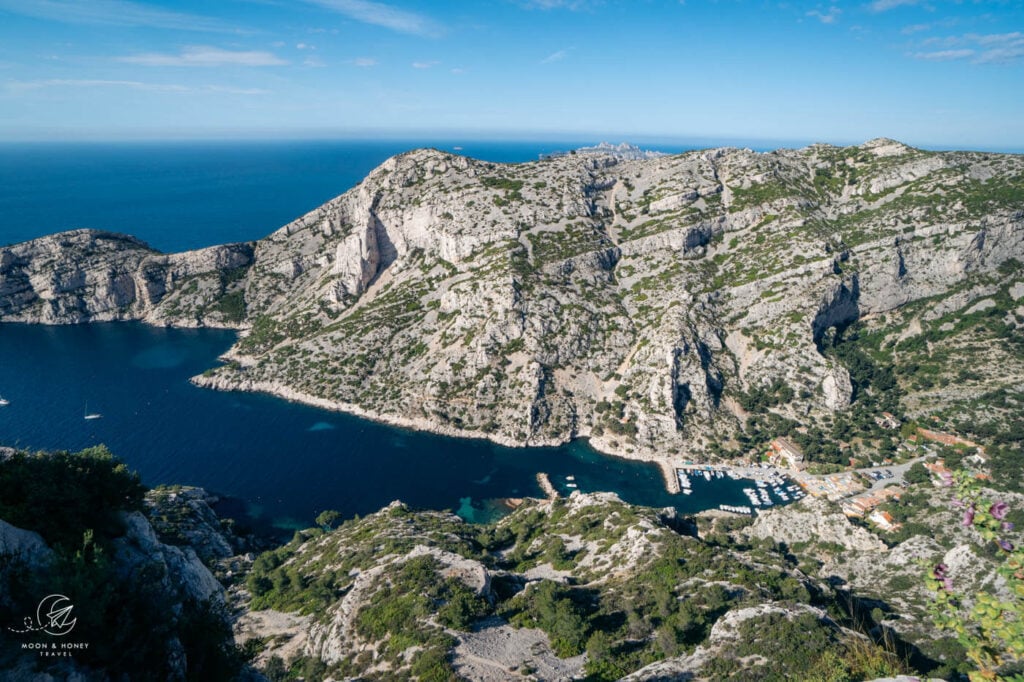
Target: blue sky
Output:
[(937, 73)]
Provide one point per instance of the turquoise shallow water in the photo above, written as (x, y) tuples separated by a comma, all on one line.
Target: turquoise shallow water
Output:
[(287, 461)]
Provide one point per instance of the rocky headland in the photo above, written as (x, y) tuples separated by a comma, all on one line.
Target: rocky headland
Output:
[(634, 301)]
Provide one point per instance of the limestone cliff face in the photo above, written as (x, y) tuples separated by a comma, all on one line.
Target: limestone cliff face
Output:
[(91, 276), (623, 299)]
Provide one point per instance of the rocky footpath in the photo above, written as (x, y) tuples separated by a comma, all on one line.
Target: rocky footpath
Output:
[(633, 300)]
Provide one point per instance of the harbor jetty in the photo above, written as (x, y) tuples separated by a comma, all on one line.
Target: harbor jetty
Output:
[(544, 481), (668, 472)]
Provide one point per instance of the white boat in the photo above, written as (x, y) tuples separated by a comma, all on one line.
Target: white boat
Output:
[(687, 491), (707, 474), (571, 485), (4, 402), (91, 415), (570, 478)]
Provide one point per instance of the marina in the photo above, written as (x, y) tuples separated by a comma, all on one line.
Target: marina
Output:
[(769, 485)]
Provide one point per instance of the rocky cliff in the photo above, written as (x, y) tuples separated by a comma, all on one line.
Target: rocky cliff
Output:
[(93, 276), (634, 301), (73, 527)]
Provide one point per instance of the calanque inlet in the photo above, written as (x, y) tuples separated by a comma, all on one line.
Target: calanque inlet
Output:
[(837, 313)]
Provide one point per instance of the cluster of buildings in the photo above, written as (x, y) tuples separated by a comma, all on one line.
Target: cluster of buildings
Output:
[(884, 520), (834, 487), (783, 452), (865, 506), (847, 487)]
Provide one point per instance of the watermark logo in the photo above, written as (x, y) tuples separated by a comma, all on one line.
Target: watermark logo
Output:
[(53, 616)]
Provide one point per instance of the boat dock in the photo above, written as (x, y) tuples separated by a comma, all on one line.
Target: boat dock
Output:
[(732, 471), (544, 481), (770, 485)]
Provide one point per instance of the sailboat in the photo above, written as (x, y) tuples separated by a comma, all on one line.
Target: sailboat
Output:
[(91, 415), (4, 402)]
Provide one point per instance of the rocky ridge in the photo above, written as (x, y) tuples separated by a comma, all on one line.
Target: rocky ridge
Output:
[(632, 301), (558, 590)]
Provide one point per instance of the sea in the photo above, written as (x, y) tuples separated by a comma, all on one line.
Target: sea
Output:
[(277, 463)]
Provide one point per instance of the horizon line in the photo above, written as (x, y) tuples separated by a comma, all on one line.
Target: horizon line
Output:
[(428, 136)]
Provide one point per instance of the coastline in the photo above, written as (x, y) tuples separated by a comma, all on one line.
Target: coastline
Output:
[(667, 465), (219, 382), (279, 390)]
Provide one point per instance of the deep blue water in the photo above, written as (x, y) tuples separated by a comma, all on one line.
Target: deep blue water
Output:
[(185, 195), (287, 462)]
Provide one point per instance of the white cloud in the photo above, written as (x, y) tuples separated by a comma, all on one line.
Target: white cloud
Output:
[(93, 83), (386, 16), (944, 55), (314, 62), (425, 65), (829, 16), (555, 57), (304, 46), (200, 55), (364, 62), (458, 70), (114, 13), (915, 28), (228, 90), (886, 5), (994, 38), (555, 4), (1001, 54), (992, 48)]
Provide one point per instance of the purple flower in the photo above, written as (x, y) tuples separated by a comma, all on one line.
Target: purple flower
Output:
[(957, 503), (999, 510), (946, 479), (939, 573), (1006, 545), (968, 516), (1007, 525)]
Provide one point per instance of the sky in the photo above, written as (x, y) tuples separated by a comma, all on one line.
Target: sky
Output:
[(933, 73)]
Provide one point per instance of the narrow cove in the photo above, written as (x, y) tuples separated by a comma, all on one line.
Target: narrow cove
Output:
[(284, 461)]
